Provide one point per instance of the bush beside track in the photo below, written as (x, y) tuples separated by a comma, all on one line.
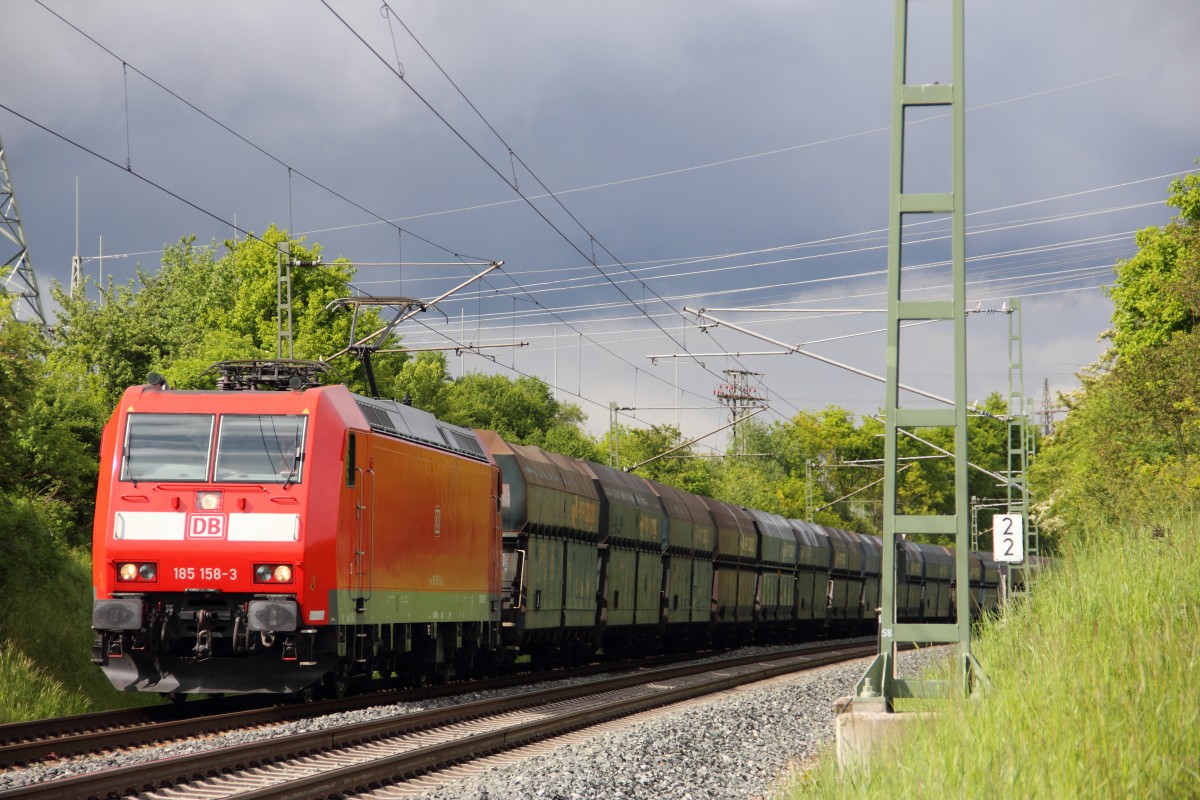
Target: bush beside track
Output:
[(1092, 688), (45, 621)]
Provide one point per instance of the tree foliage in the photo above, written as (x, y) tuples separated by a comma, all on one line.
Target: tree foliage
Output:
[(198, 309), (523, 410), (1157, 292), (1128, 447), (49, 435), (206, 304), (674, 464)]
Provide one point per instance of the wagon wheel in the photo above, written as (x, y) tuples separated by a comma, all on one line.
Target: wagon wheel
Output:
[(337, 682)]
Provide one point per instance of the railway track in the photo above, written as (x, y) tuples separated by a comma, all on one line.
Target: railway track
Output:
[(363, 755), (25, 743)]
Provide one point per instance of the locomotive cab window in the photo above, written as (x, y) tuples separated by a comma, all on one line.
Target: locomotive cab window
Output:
[(266, 448), (167, 447)]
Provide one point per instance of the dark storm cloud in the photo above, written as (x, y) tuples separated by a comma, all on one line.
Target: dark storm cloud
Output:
[(1066, 97)]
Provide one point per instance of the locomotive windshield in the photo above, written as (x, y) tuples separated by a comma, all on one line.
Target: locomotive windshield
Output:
[(167, 447), (264, 448)]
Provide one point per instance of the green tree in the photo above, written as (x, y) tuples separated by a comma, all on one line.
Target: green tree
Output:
[(1157, 292), (1128, 447), (198, 309), (425, 382), (49, 432), (20, 349), (821, 455), (681, 469), (523, 411)]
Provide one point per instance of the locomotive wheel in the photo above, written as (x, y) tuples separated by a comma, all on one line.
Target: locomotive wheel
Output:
[(337, 682)]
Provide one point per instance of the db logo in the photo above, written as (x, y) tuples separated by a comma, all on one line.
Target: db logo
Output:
[(206, 526)]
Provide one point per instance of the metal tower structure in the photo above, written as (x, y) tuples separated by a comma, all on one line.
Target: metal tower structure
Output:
[(742, 397), (16, 269), (1047, 412), (76, 261), (1020, 446), (283, 294), (879, 686)]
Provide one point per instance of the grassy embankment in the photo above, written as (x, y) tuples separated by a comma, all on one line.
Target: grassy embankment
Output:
[(45, 625), (1093, 688)]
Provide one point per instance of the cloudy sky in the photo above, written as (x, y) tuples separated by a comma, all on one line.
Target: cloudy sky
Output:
[(702, 154)]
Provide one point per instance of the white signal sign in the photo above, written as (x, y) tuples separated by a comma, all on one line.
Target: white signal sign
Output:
[(1008, 538)]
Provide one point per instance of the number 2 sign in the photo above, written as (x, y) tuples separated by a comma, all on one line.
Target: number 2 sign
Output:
[(1008, 538)]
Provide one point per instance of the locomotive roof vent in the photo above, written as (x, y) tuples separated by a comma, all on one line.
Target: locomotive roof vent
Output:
[(269, 374), (413, 424)]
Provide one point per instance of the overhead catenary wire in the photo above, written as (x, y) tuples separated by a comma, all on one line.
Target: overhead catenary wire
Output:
[(977, 282), (359, 283), (499, 173), (512, 183), (552, 284), (290, 168)]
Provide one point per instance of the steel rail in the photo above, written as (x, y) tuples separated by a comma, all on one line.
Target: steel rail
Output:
[(24, 743), (182, 769)]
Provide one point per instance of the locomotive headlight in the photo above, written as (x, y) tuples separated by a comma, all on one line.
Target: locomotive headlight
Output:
[(272, 573), (208, 501), (138, 571)]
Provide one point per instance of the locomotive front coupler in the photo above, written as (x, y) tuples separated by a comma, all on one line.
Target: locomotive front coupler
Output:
[(101, 646), (203, 648), (241, 631)]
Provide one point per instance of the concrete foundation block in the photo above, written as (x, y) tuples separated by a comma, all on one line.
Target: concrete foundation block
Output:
[(862, 726)]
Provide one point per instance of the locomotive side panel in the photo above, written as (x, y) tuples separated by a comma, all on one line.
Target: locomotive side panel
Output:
[(432, 550)]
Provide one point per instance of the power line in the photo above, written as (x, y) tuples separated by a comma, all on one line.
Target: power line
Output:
[(511, 183), (290, 168)]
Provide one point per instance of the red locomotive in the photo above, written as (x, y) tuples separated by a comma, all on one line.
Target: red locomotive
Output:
[(259, 541), (284, 541)]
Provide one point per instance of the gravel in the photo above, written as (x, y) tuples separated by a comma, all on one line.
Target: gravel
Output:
[(740, 745), (736, 746)]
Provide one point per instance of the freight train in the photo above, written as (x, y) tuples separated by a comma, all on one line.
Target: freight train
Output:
[(302, 539)]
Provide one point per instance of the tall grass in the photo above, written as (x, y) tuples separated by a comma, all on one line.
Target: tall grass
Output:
[(1093, 688)]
